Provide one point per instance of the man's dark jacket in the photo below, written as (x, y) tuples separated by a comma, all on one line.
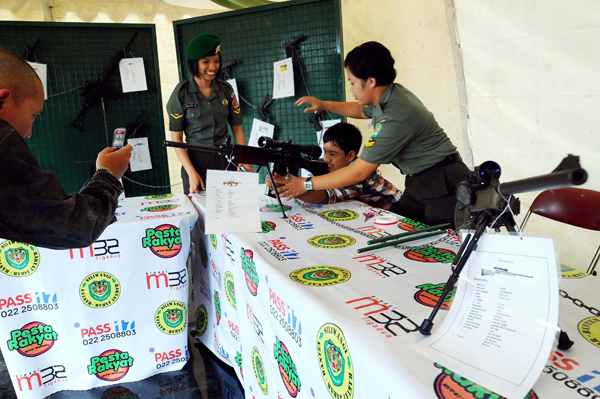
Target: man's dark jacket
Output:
[(34, 207)]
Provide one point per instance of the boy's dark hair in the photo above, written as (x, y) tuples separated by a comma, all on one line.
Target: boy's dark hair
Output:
[(192, 66), (345, 136), (371, 60)]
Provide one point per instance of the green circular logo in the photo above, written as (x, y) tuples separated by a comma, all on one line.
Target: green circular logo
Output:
[(590, 330), (332, 241), (201, 320), (336, 365), (18, 259), (229, 288), (340, 215), (99, 290), (213, 240), (170, 317), (320, 276), (259, 371)]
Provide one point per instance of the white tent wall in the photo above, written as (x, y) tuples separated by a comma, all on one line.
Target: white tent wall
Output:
[(21, 10), (534, 96), (528, 65), (416, 33)]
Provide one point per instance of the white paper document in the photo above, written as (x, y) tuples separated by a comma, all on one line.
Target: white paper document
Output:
[(283, 79), (42, 73), (232, 202), (133, 75), (326, 125), (260, 128), (140, 155), (505, 308), (233, 84)]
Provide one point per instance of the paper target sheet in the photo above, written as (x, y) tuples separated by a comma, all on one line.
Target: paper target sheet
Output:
[(232, 202), (505, 308)]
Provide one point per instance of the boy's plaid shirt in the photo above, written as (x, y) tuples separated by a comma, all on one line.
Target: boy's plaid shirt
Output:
[(374, 191)]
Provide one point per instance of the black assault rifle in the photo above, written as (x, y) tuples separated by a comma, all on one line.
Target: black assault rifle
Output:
[(94, 91), (286, 156)]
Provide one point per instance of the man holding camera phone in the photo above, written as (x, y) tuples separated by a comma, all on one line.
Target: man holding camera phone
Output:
[(34, 207)]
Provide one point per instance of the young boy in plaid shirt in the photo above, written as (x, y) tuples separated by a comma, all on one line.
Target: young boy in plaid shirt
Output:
[(342, 143)]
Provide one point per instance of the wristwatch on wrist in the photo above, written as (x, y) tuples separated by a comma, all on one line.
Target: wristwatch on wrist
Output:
[(308, 184)]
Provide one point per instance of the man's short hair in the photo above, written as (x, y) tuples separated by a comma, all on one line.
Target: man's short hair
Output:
[(17, 76), (344, 135), (371, 60)]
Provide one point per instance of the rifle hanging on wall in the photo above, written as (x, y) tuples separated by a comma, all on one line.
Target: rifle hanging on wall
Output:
[(93, 92)]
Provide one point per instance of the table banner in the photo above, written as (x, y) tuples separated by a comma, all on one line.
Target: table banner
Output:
[(113, 312), (298, 312)]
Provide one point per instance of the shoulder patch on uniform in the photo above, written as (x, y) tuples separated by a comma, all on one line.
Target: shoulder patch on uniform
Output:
[(235, 103), (176, 116), (370, 143), (377, 130)]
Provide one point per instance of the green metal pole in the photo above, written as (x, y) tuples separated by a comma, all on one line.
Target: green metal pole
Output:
[(408, 233), (392, 243)]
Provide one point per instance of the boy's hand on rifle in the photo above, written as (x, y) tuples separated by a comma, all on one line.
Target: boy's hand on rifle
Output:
[(278, 181), (291, 188)]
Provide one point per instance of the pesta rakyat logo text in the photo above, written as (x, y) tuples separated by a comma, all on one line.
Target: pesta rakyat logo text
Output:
[(164, 241), (110, 365), (32, 339)]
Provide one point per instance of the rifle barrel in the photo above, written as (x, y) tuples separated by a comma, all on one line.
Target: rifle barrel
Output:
[(205, 148), (563, 178)]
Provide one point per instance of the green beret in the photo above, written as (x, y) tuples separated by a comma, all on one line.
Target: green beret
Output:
[(203, 45)]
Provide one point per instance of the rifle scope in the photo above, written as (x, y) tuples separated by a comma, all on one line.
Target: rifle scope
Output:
[(311, 151), (486, 177)]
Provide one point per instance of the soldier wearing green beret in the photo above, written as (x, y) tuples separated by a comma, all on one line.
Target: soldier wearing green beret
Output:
[(201, 106)]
